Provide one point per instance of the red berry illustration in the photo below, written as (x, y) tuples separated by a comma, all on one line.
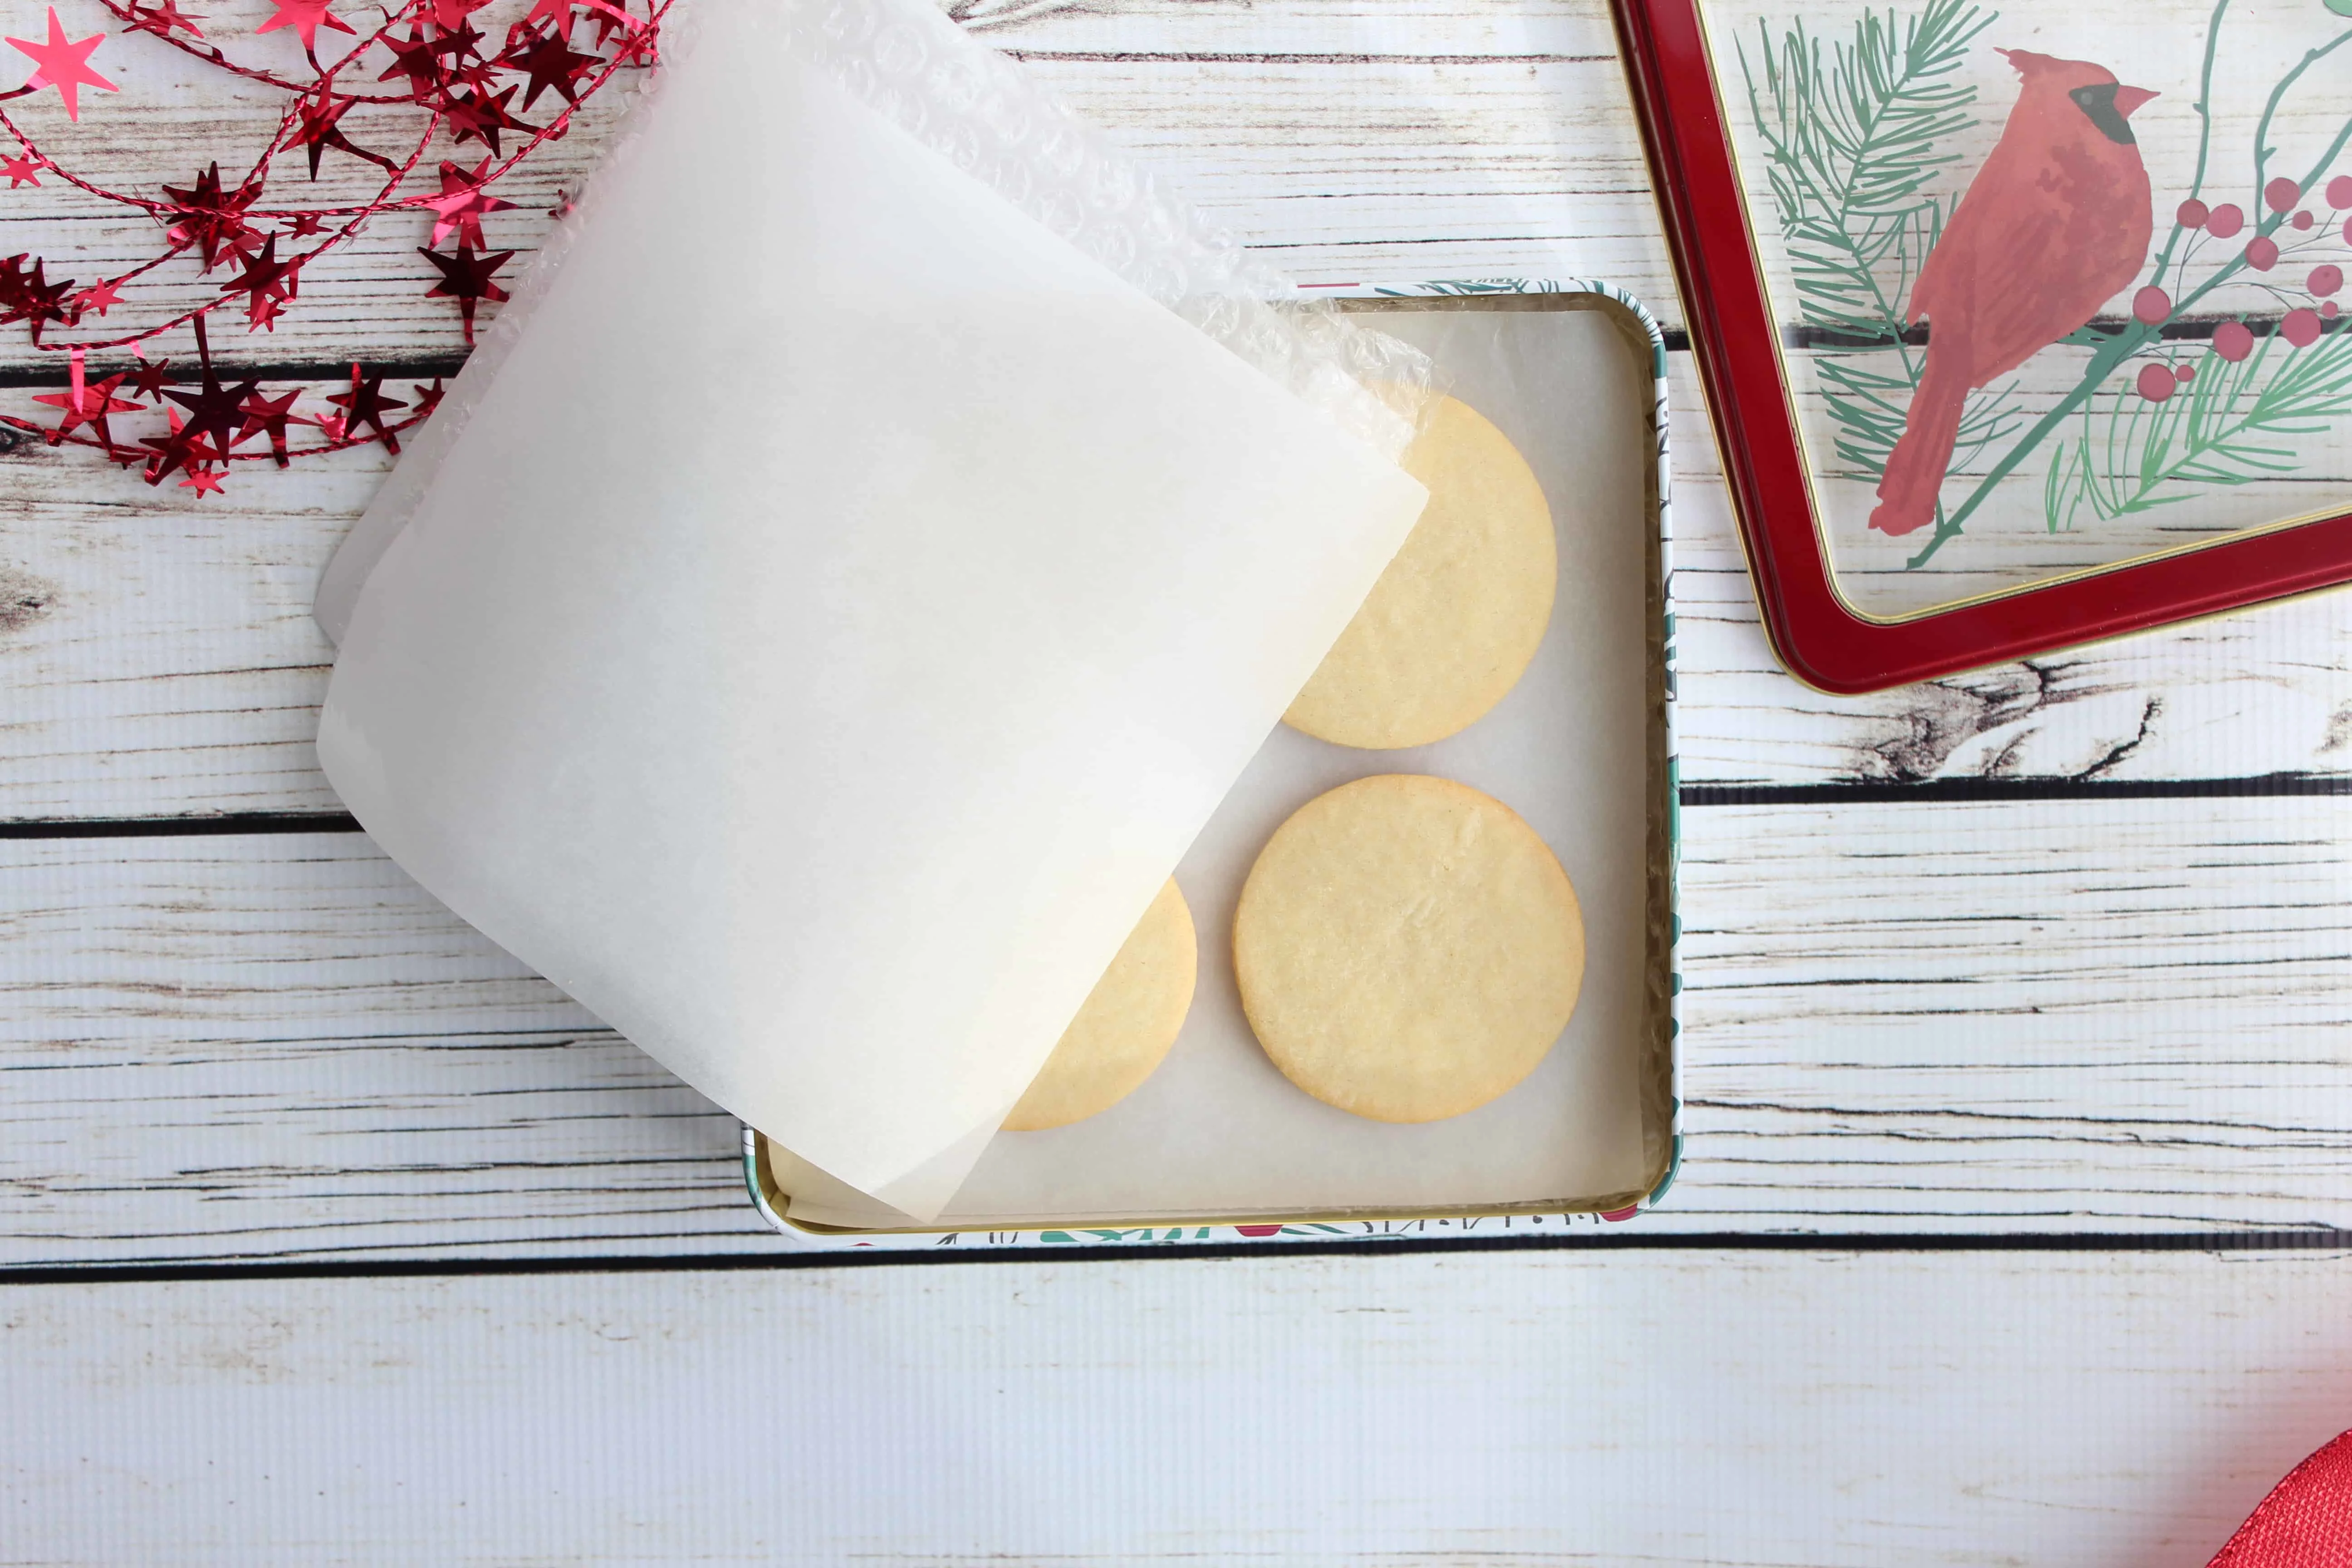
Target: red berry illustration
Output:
[(2282, 194), (1257, 1232), (2325, 280), (2331, 309), (2339, 191), (2151, 305), (2302, 328), (2193, 213), (2225, 220), (2156, 383), (2261, 253), (2232, 341), (2301, 220), (2185, 375)]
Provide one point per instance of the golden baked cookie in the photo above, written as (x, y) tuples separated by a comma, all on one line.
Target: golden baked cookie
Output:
[(1129, 1020), (1454, 620), (1407, 948)]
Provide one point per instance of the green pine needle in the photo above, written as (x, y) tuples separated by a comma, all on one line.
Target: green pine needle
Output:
[(2224, 430), (1854, 135)]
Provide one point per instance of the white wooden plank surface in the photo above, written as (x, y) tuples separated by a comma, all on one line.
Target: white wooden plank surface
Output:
[(2070, 1411), (2053, 1017), (155, 661), (160, 660)]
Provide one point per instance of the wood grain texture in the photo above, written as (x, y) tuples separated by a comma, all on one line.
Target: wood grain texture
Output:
[(281, 1047), (2021, 1018), (158, 661), (2069, 1411)]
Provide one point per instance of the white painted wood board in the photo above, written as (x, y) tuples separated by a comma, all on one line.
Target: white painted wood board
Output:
[(155, 661), (2070, 1411), (2019, 1017)]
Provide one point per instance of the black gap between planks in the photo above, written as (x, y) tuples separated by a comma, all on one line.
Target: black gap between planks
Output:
[(422, 367), (2234, 1243), (1964, 791)]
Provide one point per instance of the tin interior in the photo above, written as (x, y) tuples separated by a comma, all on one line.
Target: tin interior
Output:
[(2208, 399), (1648, 1040)]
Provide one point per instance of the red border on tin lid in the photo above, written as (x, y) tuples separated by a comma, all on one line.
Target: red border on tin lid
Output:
[(1822, 640)]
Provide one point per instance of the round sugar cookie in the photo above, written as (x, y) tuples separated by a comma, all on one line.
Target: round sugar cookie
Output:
[(1457, 616), (1129, 1020), (1407, 948)]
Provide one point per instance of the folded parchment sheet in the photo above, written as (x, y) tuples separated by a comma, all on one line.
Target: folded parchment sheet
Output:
[(1217, 1133), (816, 674)]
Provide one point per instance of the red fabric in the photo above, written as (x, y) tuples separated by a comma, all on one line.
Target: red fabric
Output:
[(2305, 1522)]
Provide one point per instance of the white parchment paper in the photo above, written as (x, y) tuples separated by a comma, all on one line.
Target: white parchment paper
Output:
[(1218, 1131), (836, 618)]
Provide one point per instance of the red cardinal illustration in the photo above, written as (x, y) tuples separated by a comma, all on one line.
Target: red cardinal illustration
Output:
[(2056, 224)]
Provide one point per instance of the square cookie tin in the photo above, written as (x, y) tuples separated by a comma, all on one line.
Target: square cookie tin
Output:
[(1218, 1147)]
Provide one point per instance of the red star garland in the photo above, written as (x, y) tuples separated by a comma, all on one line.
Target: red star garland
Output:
[(211, 219), (163, 18), (465, 277), (473, 115), (426, 56), (26, 295), (306, 17), (551, 62), (267, 284), (365, 403), (268, 417), (88, 402), (462, 204), (97, 299), (318, 126), (63, 65)]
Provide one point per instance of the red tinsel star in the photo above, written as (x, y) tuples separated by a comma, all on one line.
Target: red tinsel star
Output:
[(463, 204), (552, 63), (450, 15), (363, 404), (162, 17), (306, 225), (204, 481), (26, 295), (306, 17), (467, 66), (63, 64), (87, 402), (211, 219), (20, 172), (610, 19), (419, 59), (147, 380), (267, 415), (556, 13), (168, 453), (428, 398), (99, 298), (267, 282), (216, 415), (318, 126), (475, 116), (465, 277)]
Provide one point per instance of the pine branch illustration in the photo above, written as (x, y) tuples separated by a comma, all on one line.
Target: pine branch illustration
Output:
[(2225, 431), (1855, 133), (1853, 136)]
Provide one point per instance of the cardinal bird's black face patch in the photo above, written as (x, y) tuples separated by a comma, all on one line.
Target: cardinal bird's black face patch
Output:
[(2099, 103)]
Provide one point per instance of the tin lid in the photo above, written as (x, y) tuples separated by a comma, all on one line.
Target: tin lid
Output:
[(2020, 326)]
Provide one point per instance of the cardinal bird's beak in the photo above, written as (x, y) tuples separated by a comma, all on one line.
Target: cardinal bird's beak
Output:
[(2130, 98)]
